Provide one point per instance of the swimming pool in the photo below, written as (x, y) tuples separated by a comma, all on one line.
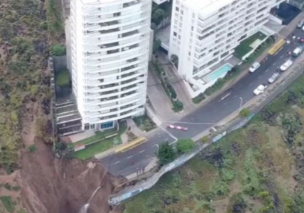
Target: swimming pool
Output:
[(218, 73)]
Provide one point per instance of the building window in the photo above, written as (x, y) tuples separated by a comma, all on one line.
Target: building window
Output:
[(174, 34), (177, 8)]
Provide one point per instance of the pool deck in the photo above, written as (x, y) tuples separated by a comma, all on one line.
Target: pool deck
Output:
[(232, 61)]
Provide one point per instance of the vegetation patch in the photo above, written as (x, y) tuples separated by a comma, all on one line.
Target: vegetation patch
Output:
[(98, 143), (24, 80), (244, 47), (264, 158), (177, 104), (62, 78), (8, 203), (144, 123)]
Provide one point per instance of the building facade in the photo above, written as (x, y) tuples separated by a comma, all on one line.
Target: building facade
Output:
[(203, 33), (109, 59)]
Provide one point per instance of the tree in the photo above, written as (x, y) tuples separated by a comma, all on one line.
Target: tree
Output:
[(174, 59), (158, 16), (184, 145), (244, 113), (156, 45), (166, 153), (58, 50)]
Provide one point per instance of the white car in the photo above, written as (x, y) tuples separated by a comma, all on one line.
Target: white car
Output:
[(254, 66), (286, 65), (297, 51), (260, 89), (274, 77)]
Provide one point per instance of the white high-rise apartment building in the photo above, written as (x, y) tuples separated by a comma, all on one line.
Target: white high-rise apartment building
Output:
[(109, 59), (204, 32)]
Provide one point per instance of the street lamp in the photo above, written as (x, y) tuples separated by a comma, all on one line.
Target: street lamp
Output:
[(157, 148), (241, 103)]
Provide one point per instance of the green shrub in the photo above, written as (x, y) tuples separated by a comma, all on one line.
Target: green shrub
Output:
[(8, 186), (58, 50), (184, 145), (198, 98), (166, 153), (32, 148), (178, 106), (8, 203), (205, 139), (62, 78), (244, 113)]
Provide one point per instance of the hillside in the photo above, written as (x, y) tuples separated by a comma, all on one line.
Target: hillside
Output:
[(32, 180), (257, 169)]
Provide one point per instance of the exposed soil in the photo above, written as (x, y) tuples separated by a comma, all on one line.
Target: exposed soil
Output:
[(51, 185)]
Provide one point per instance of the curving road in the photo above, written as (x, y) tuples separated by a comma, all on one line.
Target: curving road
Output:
[(127, 163)]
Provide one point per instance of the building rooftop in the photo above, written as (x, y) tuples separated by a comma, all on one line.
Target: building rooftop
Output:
[(207, 8)]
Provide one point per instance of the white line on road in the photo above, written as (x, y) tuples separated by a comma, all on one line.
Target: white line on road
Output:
[(141, 151), (225, 96), (267, 70), (281, 56), (130, 157), (117, 162)]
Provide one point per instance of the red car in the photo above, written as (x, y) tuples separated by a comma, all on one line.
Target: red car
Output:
[(301, 40)]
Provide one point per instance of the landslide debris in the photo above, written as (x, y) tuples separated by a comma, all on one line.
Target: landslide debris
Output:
[(51, 185)]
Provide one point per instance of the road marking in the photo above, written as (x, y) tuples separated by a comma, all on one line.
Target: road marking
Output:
[(117, 162), (130, 157), (267, 70), (281, 56), (259, 77), (225, 96), (141, 151)]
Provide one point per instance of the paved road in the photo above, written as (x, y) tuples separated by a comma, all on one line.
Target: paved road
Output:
[(127, 163)]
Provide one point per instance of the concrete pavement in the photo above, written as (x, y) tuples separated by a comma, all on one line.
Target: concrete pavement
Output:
[(201, 119)]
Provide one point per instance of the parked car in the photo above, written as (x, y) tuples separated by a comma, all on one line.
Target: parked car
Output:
[(254, 66), (286, 65), (297, 51), (260, 89), (274, 77)]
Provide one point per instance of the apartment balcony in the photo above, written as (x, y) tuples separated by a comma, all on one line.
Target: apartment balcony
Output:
[(118, 65), (104, 27), (98, 10), (120, 57), (136, 33), (144, 12), (103, 93), (99, 79), (102, 83), (118, 51), (114, 45)]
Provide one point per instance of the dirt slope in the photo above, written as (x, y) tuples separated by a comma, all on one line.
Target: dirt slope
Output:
[(50, 185)]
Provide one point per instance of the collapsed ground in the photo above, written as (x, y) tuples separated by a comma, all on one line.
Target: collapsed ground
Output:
[(258, 169)]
